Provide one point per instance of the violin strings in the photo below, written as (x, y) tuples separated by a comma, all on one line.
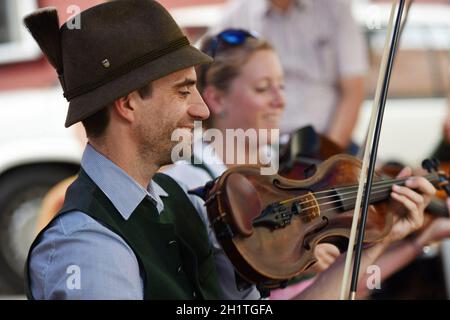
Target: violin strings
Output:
[(352, 187), (429, 177), (376, 198), (376, 190), (342, 206), (332, 195), (353, 190), (350, 198), (380, 184)]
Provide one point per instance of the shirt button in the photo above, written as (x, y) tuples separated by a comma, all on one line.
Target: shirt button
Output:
[(179, 269), (194, 294)]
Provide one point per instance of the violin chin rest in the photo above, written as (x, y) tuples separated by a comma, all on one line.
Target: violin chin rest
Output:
[(245, 201)]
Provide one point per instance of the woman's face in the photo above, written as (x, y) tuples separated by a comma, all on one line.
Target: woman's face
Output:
[(255, 98)]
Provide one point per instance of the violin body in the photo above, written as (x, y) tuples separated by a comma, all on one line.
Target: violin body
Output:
[(269, 225)]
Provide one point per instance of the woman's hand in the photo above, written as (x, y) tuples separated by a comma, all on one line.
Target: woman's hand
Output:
[(325, 254)]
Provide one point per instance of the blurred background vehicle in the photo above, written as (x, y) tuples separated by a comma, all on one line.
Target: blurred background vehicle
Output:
[(36, 151)]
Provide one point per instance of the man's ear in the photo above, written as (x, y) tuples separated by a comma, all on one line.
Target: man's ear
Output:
[(214, 99), (124, 108)]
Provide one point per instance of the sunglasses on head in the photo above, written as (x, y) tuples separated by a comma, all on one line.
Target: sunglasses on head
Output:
[(230, 37)]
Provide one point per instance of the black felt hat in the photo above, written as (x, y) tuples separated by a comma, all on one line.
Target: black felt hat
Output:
[(116, 48)]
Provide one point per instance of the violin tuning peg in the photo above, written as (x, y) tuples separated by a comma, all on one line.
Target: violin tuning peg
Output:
[(426, 164), (429, 165), (436, 163)]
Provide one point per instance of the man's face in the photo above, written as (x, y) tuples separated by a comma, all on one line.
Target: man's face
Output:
[(174, 104)]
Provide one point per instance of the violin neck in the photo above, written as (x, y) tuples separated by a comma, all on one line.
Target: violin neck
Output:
[(381, 191), (433, 178)]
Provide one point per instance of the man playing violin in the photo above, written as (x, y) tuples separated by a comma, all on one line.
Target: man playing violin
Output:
[(125, 232)]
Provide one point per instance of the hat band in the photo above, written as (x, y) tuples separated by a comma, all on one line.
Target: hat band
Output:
[(126, 68)]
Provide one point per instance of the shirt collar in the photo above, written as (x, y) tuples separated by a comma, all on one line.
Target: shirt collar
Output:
[(122, 190), (216, 165), (210, 159)]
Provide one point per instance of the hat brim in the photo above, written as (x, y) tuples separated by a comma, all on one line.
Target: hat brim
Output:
[(83, 106)]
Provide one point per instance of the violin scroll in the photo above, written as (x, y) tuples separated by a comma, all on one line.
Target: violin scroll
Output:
[(432, 166)]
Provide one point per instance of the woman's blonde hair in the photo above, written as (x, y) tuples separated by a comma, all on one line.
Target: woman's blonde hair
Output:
[(228, 62)]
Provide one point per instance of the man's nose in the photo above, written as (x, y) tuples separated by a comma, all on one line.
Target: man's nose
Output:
[(198, 109)]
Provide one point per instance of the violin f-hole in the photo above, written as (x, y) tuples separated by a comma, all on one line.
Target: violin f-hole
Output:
[(307, 239)]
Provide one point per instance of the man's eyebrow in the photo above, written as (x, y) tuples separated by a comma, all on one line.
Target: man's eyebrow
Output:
[(185, 83)]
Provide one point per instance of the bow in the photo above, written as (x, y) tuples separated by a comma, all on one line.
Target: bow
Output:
[(371, 148)]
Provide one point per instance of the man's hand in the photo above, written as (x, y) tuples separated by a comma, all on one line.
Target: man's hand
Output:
[(409, 204)]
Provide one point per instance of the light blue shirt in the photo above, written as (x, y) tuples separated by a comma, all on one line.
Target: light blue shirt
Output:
[(78, 258)]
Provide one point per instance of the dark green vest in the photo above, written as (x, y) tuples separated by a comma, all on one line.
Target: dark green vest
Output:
[(172, 248)]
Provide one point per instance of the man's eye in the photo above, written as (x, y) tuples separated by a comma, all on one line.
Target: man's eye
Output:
[(185, 93)]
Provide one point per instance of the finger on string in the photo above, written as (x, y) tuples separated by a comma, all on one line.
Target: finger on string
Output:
[(413, 213), (409, 193), (420, 184)]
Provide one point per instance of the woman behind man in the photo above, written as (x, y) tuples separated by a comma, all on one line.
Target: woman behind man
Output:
[(244, 89)]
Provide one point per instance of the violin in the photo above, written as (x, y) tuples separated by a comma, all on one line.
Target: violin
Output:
[(269, 225)]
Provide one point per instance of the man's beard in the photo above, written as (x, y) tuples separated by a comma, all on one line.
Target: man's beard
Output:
[(155, 145)]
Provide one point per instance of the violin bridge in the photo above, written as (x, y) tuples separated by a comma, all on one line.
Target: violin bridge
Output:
[(309, 207)]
